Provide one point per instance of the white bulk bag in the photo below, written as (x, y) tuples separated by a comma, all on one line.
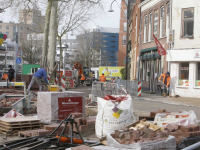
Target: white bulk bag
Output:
[(109, 120)]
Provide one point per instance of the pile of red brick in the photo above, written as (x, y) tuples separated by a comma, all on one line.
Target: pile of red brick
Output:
[(84, 125), (153, 114), (130, 136), (181, 132), (8, 102)]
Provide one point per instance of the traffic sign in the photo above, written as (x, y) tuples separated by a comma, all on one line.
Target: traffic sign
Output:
[(18, 60)]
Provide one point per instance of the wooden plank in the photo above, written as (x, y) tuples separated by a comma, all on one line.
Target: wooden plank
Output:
[(18, 123), (19, 127), (18, 120)]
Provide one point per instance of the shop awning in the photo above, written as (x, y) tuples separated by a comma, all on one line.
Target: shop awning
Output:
[(148, 49)]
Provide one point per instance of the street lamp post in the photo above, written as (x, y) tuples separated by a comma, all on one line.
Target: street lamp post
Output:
[(111, 10)]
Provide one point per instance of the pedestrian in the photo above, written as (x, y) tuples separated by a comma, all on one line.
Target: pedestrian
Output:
[(37, 77), (166, 83), (102, 79), (11, 75), (82, 79)]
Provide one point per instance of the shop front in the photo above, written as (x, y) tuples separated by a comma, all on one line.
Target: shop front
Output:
[(185, 72), (151, 67)]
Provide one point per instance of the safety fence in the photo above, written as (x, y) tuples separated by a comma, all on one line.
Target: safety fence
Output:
[(132, 87)]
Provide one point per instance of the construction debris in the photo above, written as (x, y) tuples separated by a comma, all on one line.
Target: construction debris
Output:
[(8, 102)]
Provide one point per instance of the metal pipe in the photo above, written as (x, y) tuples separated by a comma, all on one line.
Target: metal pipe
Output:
[(194, 146)]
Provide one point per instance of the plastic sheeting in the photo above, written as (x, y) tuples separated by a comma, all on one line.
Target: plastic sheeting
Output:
[(12, 114), (113, 115)]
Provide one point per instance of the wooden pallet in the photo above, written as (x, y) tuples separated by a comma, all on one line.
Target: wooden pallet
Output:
[(19, 120), (8, 128)]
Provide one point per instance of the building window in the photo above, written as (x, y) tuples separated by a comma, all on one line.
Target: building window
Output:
[(162, 14), (113, 41), (113, 36), (125, 13), (7, 27), (155, 30), (7, 33), (21, 28), (168, 19), (104, 40), (183, 74), (0, 27), (105, 35), (105, 46), (145, 29), (125, 26), (150, 27), (143, 70), (124, 40), (113, 46), (136, 30), (147, 71), (188, 22), (197, 83)]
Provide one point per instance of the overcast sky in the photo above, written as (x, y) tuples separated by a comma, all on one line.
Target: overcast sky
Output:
[(109, 19)]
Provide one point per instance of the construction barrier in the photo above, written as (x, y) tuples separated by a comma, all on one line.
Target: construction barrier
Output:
[(56, 81), (130, 86), (113, 82), (48, 77), (74, 83), (63, 83), (139, 93)]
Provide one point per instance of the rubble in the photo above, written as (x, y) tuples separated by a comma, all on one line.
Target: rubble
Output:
[(7, 102)]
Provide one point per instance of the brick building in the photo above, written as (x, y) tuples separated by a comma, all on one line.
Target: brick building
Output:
[(134, 30), (155, 19), (122, 34)]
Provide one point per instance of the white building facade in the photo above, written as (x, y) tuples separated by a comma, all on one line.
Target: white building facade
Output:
[(184, 55)]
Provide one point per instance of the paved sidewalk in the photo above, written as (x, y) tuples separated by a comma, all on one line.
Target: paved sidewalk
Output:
[(185, 101)]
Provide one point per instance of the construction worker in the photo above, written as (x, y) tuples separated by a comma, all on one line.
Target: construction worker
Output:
[(166, 83), (102, 78), (37, 77), (11, 73), (82, 79)]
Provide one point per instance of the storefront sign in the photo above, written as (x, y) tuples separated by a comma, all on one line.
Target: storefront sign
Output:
[(183, 82), (198, 83), (68, 105), (196, 54), (184, 68)]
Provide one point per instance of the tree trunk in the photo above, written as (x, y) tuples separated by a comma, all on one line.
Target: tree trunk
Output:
[(61, 52), (46, 34), (53, 35)]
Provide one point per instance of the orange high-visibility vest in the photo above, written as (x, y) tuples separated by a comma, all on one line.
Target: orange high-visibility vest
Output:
[(82, 77), (168, 79), (102, 78)]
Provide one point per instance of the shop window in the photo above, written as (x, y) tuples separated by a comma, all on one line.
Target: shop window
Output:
[(183, 74), (143, 70), (145, 29), (197, 83), (162, 14), (187, 22), (147, 71), (155, 23), (150, 26)]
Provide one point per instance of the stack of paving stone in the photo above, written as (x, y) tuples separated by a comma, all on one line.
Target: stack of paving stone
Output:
[(153, 114), (84, 125), (181, 132), (130, 136)]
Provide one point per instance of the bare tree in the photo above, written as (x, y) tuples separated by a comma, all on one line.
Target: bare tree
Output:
[(50, 23), (89, 46), (74, 16), (32, 48)]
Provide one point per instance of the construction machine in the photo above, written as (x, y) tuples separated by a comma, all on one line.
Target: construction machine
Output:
[(85, 71)]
